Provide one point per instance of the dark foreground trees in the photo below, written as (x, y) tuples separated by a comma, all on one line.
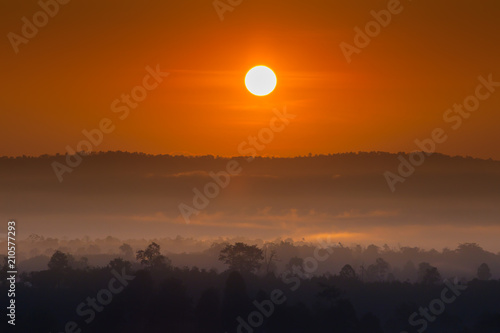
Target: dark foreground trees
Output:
[(199, 301), (141, 296)]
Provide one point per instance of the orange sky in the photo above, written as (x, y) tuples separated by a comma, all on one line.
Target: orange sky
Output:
[(394, 91)]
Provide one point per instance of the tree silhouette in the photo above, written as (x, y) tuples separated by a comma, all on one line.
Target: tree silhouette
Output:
[(483, 272), (241, 257), (119, 264), (378, 270), (59, 261), (347, 273), (428, 274), (329, 293), (409, 271), (152, 258), (296, 267), (126, 250), (470, 249), (270, 256), (81, 264)]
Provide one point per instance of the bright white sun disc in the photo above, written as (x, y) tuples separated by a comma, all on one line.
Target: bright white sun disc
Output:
[(260, 80)]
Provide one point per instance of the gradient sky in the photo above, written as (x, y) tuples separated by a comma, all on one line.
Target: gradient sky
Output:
[(395, 91)]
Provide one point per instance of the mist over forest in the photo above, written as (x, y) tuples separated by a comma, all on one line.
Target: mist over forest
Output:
[(444, 202), (462, 261)]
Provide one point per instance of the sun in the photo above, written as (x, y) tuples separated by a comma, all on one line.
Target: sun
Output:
[(260, 80)]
